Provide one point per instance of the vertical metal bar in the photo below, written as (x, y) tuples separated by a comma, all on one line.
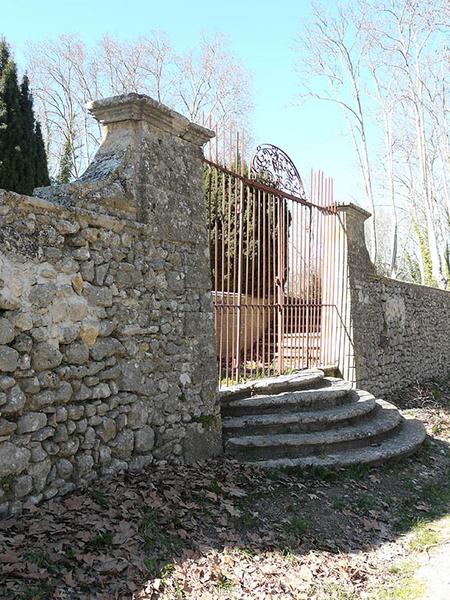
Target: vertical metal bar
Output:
[(276, 280), (266, 313), (230, 312), (260, 328), (239, 214), (319, 275), (270, 288), (254, 316), (298, 214), (331, 233), (247, 307)]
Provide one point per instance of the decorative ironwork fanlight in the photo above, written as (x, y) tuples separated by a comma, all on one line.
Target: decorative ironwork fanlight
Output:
[(277, 169)]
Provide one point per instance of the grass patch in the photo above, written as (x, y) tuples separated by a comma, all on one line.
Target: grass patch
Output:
[(41, 559), (338, 503), (7, 482), (422, 536), (208, 421), (216, 489), (37, 591), (155, 536), (336, 591), (247, 553), (400, 584), (69, 554), (247, 521), (356, 472), (437, 494), (365, 501), (289, 554)]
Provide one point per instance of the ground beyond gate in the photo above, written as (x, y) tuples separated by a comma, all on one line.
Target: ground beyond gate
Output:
[(277, 302)]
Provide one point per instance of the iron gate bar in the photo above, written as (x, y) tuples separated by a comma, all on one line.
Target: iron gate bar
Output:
[(273, 302)]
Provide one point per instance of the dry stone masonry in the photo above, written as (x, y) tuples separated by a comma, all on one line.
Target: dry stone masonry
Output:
[(397, 333), (107, 355)]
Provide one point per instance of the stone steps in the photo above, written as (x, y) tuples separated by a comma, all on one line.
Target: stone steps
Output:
[(302, 421), (330, 393), (271, 385), (326, 422), (407, 440), (261, 447)]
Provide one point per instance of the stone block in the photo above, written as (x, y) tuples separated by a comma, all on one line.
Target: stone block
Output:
[(144, 439), (76, 353), (105, 347), (32, 421), (13, 459), (15, 401), (45, 356), (7, 332), (9, 359), (98, 296), (107, 430)]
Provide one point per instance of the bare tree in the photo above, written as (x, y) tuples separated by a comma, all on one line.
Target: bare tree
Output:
[(406, 30), (332, 67), (382, 63), (207, 82), (211, 81)]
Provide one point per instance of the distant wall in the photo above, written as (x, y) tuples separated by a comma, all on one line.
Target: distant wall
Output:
[(399, 332), (107, 351)]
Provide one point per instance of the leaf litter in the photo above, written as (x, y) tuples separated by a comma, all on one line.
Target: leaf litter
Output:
[(219, 530)]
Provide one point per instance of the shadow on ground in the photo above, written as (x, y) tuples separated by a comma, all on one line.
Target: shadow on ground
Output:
[(220, 530)]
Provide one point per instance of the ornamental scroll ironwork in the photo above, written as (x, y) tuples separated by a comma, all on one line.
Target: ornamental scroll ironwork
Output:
[(277, 169)]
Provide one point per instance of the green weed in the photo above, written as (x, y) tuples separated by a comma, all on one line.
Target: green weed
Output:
[(299, 525), (224, 582), (103, 539), (100, 499)]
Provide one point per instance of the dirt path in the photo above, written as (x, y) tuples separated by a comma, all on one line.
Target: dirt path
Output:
[(435, 571)]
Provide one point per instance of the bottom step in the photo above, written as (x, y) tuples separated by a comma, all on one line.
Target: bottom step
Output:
[(407, 439)]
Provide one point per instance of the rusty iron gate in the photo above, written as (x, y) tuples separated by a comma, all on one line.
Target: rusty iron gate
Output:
[(273, 286)]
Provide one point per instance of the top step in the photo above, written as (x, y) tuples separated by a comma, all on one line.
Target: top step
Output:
[(301, 380)]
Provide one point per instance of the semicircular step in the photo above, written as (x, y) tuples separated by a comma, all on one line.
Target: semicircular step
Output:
[(407, 440), (303, 421), (272, 385), (386, 419), (330, 393)]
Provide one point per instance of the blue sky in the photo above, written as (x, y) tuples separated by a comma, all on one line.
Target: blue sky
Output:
[(261, 34)]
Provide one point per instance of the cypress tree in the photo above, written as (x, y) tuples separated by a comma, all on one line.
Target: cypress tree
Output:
[(11, 128), (66, 163), (23, 161), (28, 141), (41, 168), (4, 55)]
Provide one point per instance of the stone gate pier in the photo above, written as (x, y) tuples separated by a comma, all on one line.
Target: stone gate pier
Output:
[(107, 352)]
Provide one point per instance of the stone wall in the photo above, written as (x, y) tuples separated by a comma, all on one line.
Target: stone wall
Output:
[(107, 352), (399, 332)]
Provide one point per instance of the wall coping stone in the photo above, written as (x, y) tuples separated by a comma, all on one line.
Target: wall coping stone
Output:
[(406, 284), (349, 206)]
